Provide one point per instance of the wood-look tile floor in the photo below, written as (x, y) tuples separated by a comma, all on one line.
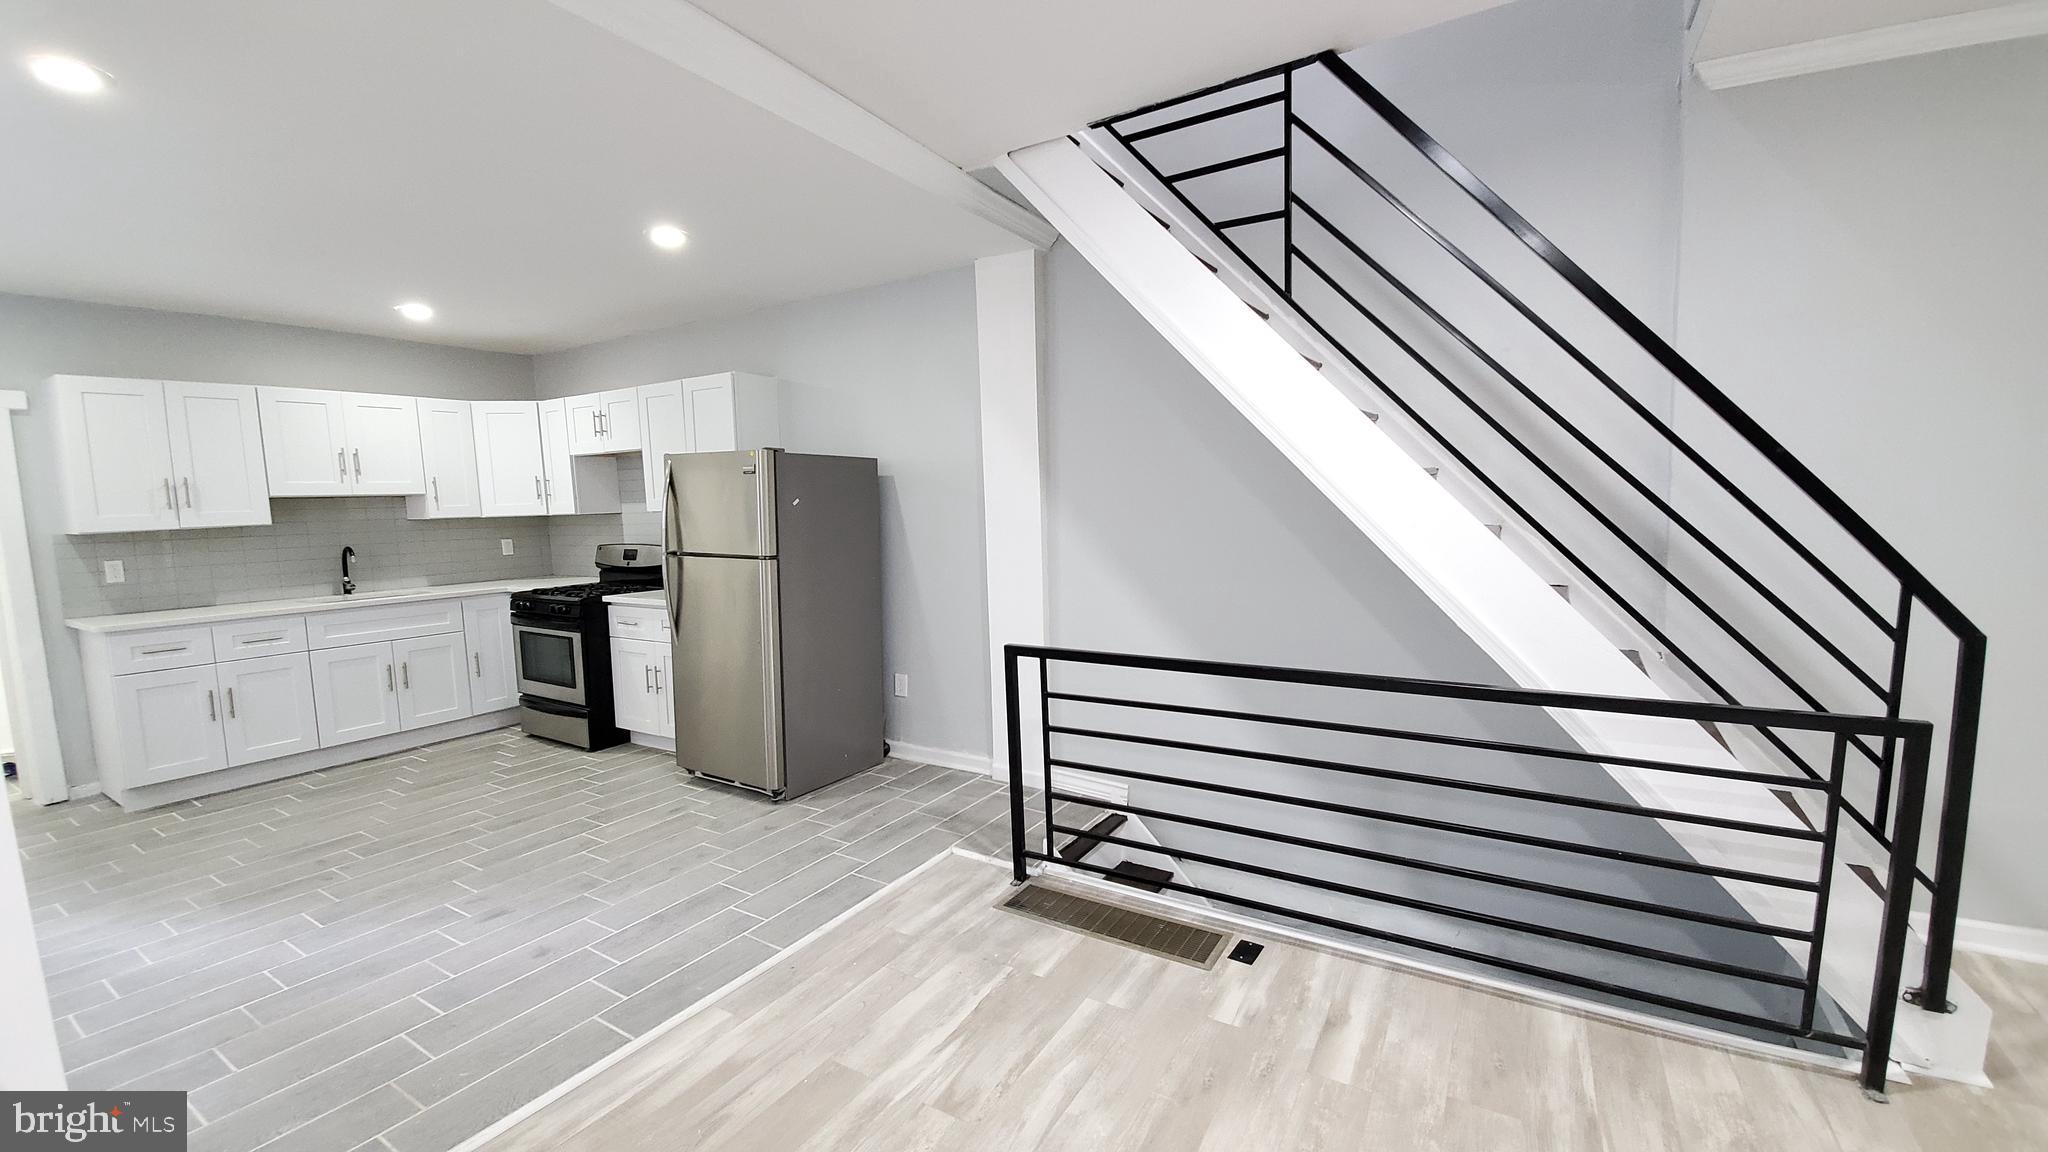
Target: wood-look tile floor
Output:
[(932, 1020), (399, 952)]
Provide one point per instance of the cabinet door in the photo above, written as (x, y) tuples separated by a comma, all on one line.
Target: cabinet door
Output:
[(709, 412), (636, 701), (305, 442), (433, 680), (448, 451), (508, 458), (355, 693), (116, 455), (585, 415), (216, 439), (662, 431), (267, 707), (168, 726), (621, 420), (493, 675), (560, 482), (384, 445)]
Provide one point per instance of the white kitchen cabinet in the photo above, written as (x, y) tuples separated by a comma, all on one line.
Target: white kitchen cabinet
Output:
[(603, 423), (493, 671), (572, 484), (510, 472), (717, 413), (216, 437), (305, 442), (384, 445), (167, 724), (267, 709), (355, 693), (433, 680), (640, 699), (143, 455), (448, 450), (322, 443)]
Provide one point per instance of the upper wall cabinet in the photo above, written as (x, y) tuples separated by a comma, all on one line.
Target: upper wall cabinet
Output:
[(321, 443), (145, 455), (717, 413), (510, 475), (604, 423), (572, 484), (448, 450)]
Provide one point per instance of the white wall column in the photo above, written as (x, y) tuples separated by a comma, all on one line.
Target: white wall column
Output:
[(27, 681), (1007, 314)]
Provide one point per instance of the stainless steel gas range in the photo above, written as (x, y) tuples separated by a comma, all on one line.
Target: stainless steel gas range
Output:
[(565, 667)]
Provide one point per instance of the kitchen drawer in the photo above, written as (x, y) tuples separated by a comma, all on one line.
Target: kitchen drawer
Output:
[(638, 622), (245, 639), (159, 648), (370, 624)]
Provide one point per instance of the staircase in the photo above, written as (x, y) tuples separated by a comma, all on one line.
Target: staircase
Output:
[(1269, 228)]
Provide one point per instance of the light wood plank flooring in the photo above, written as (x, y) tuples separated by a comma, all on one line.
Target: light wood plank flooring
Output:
[(932, 1020), (399, 952)]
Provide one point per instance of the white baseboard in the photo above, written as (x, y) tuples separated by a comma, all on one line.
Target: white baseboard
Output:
[(1937, 34), (85, 791), (943, 757), (1085, 784), (1991, 938)]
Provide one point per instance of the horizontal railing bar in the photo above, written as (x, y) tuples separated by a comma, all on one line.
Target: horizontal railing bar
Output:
[(1627, 398), (1579, 435), (1227, 165), (1599, 515), (1769, 779), (1716, 401), (1738, 714), (1619, 855), (1473, 874), (1253, 218), (1761, 1023), (1533, 796), (1198, 118), (1563, 935), (1266, 73)]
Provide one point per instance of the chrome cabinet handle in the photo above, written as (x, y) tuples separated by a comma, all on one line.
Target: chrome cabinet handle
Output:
[(341, 461), (187, 482), (478, 657), (537, 493), (169, 501), (231, 703), (405, 673), (210, 713), (164, 651), (660, 682), (357, 453), (436, 482), (647, 679), (390, 685)]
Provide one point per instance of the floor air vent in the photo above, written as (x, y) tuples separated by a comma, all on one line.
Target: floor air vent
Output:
[(1143, 931)]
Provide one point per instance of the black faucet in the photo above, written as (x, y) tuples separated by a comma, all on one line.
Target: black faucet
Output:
[(348, 582)]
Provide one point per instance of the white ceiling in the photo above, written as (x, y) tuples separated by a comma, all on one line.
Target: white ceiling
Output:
[(1737, 26), (317, 161), (972, 79)]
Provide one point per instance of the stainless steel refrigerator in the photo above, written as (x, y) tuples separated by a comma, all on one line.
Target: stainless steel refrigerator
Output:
[(774, 582)]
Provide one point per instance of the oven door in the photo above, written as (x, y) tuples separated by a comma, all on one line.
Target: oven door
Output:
[(550, 661)]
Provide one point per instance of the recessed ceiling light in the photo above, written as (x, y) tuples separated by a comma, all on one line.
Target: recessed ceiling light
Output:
[(667, 237), (67, 75), (415, 311)]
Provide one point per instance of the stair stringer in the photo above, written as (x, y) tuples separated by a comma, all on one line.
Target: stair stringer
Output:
[(1489, 591)]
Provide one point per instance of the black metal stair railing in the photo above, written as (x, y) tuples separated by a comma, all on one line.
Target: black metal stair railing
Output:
[(1138, 131), (1084, 726)]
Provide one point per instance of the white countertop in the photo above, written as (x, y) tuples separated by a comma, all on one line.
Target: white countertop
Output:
[(256, 609), (642, 599)]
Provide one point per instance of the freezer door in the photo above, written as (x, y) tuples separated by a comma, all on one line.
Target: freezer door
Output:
[(722, 503), (727, 669)]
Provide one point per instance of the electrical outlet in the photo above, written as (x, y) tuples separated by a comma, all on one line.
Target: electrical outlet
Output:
[(505, 546), (114, 572), (902, 685)]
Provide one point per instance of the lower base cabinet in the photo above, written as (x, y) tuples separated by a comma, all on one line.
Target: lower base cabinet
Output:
[(167, 724), (355, 693), (433, 680), (266, 708), (640, 698)]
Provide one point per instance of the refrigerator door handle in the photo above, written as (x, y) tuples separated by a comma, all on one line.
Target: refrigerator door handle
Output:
[(671, 546)]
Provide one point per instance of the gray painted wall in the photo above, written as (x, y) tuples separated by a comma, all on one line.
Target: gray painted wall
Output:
[(1863, 271), (888, 372), (40, 338)]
